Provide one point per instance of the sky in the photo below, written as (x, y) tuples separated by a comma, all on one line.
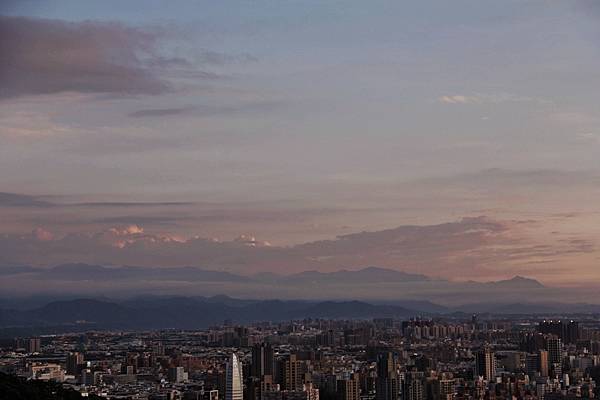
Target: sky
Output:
[(457, 139)]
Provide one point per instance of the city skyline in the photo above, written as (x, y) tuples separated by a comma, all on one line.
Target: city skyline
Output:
[(299, 200)]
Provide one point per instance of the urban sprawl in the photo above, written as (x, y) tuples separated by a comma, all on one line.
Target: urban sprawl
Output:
[(318, 359)]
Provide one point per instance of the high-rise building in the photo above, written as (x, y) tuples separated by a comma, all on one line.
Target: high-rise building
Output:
[(234, 389), (34, 345), (485, 364), (567, 331), (543, 362), (74, 362), (262, 360), (554, 346), (444, 389), (349, 389), (532, 361), (292, 373), (413, 387), (387, 377), (177, 375)]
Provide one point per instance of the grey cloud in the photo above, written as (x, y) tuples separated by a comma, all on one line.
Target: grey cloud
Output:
[(129, 204), (500, 177), (206, 110), (140, 220), (166, 62), (49, 56), (160, 112), (218, 58), (22, 200), (469, 247)]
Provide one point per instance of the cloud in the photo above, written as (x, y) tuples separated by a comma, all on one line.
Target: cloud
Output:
[(503, 179), (482, 98), (42, 56), (458, 99), (160, 112), (470, 247), (42, 234), (218, 58), (22, 200), (207, 110)]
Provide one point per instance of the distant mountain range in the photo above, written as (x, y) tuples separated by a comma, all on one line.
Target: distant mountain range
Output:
[(181, 313), (177, 312), (373, 285), (83, 272), (361, 276), (517, 282)]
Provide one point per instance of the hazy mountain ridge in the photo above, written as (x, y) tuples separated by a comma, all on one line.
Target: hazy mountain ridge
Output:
[(186, 313), (179, 312), (372, 274), (365, 275), (372, 284)]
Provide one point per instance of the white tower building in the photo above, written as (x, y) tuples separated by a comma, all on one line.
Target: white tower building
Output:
[(234, 388)]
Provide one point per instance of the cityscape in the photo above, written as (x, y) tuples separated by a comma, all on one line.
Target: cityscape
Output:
[(299, 199), (315, 359)]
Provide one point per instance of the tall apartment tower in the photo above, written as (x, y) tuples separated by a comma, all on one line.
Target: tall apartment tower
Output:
[(292, 373), (413, 387), (543, 362), (349, 389), (444, 389), (387, 377), (34, 345), (554, 350), (485, 364), (74, 361), (262, 360), (234, 389)]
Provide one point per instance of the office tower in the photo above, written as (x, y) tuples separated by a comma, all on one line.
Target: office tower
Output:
[(543, 362), (234, 389), (74, 360), (312, 392), (252, 388), (485, 364), (159, 349), (571, 332), (33, 345), (554, 346), (444, 389), (177, 375), (387, 377), (87, 377), (532, 364), (291, 373), (567, 331), (262, 360), (413, 387), (349, 389), (267, 385), (512, 361)]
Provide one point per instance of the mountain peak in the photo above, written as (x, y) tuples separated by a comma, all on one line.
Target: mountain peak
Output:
[(519, 282)]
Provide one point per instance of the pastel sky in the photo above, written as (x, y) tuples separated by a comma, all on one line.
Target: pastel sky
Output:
[(252, 136)]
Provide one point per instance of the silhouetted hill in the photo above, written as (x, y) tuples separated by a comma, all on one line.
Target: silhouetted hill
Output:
[(185, 312), (365, 275), (16, 388), (548, 308), (517, 282), (99, 272), (423, 306)]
